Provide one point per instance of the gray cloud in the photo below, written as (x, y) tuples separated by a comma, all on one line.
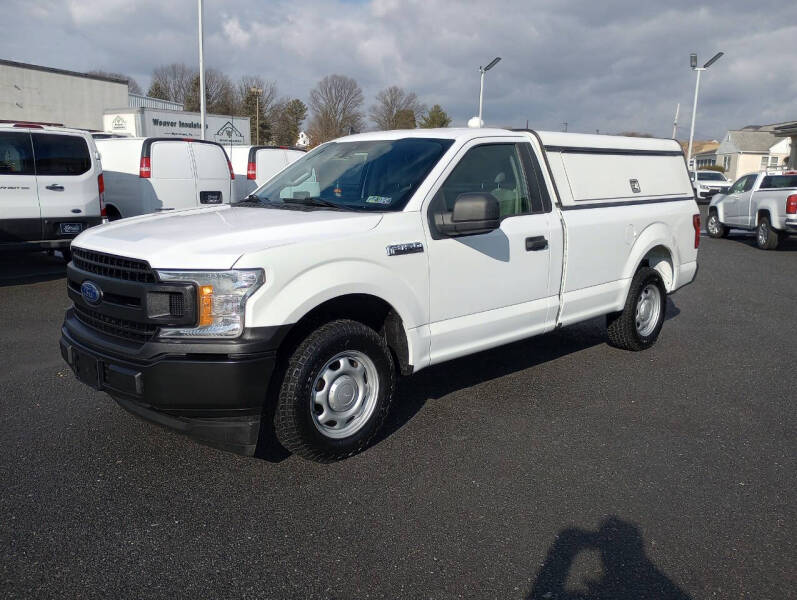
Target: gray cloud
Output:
[(611, 65)]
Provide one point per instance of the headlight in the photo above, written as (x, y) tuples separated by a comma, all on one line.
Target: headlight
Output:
[(221, 301)]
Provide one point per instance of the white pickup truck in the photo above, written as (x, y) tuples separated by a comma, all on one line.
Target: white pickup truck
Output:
[(764, 202), (375, 255)]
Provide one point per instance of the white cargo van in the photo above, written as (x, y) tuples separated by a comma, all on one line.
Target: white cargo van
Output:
[(304, 303), (255, 165), (147, 175), (51, 186)]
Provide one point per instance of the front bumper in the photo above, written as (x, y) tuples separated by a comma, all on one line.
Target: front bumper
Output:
[(213, 392)]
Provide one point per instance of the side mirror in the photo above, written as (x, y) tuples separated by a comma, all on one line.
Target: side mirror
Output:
[(474, 212)]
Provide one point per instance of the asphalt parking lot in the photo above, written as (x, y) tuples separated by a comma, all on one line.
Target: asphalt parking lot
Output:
[(558, 467)]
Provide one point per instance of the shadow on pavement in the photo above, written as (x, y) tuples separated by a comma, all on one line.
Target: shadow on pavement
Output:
[(748, 238), (27, 268), (625, 573)]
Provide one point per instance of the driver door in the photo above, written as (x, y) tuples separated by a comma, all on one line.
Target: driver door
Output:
[(491, 288)]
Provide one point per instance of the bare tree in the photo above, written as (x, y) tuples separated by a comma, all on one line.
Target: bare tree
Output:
[(174, 80), (132, 84), (336, 108), (396, 109), (220, 94)]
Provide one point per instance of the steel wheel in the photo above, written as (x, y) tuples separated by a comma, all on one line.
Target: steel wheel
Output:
[(763, 233), (713, 225), (648, 309), (344, 394)]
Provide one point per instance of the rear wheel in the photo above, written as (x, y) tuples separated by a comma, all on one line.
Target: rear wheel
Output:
[(336, 392), (113, 213), (638, 326), (766, 237), (715, 228)]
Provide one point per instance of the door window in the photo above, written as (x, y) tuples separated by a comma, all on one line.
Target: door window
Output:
[(742, 183), (496, 169), (58, 154), (16, 153)]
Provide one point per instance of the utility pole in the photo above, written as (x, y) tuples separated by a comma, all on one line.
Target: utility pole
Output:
[(564, 124), (201, 71), (675, 121), (257, 92)]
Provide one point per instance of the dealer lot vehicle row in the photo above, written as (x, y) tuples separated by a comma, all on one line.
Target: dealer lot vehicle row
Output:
[(375, 255)]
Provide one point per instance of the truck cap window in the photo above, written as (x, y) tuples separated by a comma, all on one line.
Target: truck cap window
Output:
[(779, 181), (378, 175)]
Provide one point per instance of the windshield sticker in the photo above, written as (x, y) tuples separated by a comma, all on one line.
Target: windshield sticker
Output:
[(379, 200)]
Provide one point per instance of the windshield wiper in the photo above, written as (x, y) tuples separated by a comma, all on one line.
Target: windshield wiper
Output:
[(317, 201)]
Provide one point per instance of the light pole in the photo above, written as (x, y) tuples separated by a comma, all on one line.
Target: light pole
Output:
[(693, 64), (483, 70), (257, 92), (201, 71)]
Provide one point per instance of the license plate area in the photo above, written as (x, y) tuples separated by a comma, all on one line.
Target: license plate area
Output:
[(87, 369), (70, 228), (210, 197)]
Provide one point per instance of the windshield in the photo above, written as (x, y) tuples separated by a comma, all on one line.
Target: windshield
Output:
[(711, 177), (378, 175)]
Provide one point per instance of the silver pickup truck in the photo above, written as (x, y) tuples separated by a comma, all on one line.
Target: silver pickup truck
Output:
[(763, 202)]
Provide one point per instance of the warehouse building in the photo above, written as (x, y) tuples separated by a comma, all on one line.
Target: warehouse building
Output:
[(46, 95)]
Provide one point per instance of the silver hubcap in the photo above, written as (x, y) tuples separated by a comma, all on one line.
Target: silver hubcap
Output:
[(713, 225), (763, 233), (648, 310), (344, 394)]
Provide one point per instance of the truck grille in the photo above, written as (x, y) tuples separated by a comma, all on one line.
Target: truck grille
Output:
[(116, 267), (122, 328)]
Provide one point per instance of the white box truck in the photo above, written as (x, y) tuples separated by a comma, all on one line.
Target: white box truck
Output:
[(409, 248), (146, 175)]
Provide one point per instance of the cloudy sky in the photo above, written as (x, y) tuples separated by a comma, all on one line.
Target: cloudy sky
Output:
[(607, 65)]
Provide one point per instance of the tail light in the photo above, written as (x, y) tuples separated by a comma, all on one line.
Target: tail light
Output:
[(101, 188), (251, 170), (696, 225), (791, 205), (232, 173), (144, 168)]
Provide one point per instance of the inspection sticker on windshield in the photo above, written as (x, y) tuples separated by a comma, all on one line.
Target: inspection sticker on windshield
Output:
[(378, 200)]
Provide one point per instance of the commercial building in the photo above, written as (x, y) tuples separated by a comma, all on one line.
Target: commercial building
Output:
[(151, 122), (46, 95)]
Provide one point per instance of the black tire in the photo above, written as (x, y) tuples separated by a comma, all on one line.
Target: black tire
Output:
[(112, 213), (765, 237), (294, 423), (715, 228), (622, 327)]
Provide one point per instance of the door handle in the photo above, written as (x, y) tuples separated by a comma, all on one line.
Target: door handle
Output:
[(55, 187), (533, 244)]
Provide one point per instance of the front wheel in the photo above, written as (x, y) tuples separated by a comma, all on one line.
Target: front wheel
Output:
[(715, 228), (637, 327), (336, 392), (766, 237)]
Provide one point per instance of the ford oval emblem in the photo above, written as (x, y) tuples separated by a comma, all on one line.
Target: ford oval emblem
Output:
[(90, 292)]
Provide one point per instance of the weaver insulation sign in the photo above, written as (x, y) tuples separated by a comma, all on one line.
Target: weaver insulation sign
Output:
[(150, 122)]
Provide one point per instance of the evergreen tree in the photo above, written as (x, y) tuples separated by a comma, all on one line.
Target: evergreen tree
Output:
[(436, 117)]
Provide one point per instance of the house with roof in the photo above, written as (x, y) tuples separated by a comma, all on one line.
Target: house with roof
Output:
[(752, 149)]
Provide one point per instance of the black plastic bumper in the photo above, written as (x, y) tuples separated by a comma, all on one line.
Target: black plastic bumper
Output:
[(213, 392)]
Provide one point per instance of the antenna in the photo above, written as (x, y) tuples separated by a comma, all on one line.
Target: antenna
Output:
[(675, 121)]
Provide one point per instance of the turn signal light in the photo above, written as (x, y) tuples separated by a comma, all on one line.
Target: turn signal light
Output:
[(696, 225), (791, 205), (144, 168), (205, 305), (251, 170)]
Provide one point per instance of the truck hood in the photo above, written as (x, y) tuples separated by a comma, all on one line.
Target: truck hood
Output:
[(215, 238)]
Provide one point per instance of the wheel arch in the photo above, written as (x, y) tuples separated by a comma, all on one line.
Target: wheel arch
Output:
[(653, 248)]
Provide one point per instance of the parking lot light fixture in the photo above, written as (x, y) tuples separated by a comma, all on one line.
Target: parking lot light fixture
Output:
[(693, 65), (483, 70)]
